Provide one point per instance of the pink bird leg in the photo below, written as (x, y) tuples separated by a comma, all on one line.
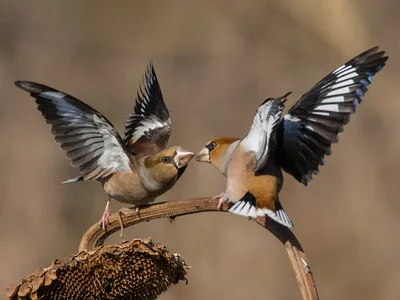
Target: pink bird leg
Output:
[(106, 214)]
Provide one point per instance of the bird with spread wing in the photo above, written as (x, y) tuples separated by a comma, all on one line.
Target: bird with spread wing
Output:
[(133, 170), (296, 144)]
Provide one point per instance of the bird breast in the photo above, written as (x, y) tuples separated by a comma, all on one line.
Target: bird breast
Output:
[(126, 187)]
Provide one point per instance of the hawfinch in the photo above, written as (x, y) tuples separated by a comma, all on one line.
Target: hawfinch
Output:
[(296, 144), (133, 170)]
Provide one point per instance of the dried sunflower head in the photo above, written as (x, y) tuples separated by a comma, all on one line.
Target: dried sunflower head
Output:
[(138, 269)]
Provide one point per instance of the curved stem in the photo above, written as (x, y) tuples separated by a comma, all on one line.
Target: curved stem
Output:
[(95, 236)]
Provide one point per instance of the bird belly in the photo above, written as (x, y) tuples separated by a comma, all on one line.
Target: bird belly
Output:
[(125, 187), (238, 172), (236, 188)]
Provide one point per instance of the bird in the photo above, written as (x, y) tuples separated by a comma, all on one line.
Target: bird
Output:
[(133, 170), (296, 143)]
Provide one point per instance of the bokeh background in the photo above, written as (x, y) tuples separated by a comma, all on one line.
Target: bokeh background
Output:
[(216, 62)]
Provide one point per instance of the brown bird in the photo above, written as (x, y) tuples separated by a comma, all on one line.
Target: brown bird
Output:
[(297, 144), (133, 170)]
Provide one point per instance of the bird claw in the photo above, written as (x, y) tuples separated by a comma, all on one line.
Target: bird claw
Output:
[(222, 199), (219, 196), (125, 210), (122, 212), (220, 203), (106, 215), (137, 211)]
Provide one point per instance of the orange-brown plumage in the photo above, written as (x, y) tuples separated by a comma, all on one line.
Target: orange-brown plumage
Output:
[(253, 192), (215, 152), (218, 154), (265, 189)]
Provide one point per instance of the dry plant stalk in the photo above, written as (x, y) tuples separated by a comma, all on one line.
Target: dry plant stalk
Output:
[(95, 236), (138, 269)]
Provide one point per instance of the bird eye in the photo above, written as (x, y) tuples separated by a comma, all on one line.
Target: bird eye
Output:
[(212, 145), (166, 159)]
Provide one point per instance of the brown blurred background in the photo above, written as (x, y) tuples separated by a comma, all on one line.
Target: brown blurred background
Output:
[(216, 61)]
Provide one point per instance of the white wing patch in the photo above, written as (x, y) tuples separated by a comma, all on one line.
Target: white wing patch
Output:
[(341, 86), (291, 118), (257, 138), (244, 208), (328, 107), (148, 124), (113, 157), (260, 136), (57, 95)]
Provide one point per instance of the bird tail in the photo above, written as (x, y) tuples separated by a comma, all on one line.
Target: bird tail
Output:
[(72, 180), (247, 207)]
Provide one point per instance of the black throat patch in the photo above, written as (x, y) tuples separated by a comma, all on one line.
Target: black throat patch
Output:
[(180, 171)]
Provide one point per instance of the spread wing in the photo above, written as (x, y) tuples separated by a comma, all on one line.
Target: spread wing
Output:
[(261, 138), (89, 140), (306, 133), (148, 128)]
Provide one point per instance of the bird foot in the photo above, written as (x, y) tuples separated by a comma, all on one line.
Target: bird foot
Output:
[(137, 211), (221, 199), (122, 212), (125, 210), (106, 215), (220, 195), (220, 203)]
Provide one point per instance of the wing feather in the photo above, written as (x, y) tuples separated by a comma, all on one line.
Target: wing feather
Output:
[(148, 128), (313, 123), (261, 138), (90, 141)]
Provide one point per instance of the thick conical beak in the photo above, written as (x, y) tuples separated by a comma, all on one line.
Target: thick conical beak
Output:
[(203, 155), (182, 157)]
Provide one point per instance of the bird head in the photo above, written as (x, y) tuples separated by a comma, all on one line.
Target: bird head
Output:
[(169, 164), (215, 151)]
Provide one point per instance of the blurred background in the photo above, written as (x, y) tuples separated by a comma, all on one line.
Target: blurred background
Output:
[(216, 62)]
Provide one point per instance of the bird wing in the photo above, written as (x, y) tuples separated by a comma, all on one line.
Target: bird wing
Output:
[(148, 128), (261, 138), (90, 141), (310, 127)]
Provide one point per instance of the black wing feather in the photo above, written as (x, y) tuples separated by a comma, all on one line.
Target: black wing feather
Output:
[(148, 128), (306, 133), (90, 141)]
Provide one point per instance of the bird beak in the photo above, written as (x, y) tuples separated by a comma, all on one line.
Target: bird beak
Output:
[(182, 157), (203, 155)]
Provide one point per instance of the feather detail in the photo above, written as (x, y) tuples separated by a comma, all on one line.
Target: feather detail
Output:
[(306, 133), (72, 180), (90, 141), (148, 128), (261, 137), (247, 207)]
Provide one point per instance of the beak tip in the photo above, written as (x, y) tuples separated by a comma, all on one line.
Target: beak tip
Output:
[(203, 156), (190, 155), (183, 157)]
